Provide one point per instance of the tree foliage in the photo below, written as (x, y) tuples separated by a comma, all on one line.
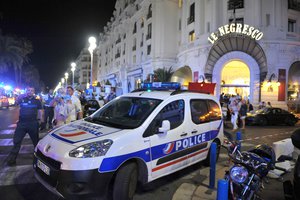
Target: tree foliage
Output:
[(163, 74), (14, 53)]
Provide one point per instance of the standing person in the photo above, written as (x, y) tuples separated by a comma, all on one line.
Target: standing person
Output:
[(60, 109), (49, 109), (30, 113), (250, 108), (269, 105), (110, 96), (243, 112), (73, 106), (234, 113)]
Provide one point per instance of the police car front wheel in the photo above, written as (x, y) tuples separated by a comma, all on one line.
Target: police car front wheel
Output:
[(125, 182)]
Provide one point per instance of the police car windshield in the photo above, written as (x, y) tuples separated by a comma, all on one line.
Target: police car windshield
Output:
[(125, 112)]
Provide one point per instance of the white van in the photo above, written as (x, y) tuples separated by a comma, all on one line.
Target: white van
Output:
[(136, 138)]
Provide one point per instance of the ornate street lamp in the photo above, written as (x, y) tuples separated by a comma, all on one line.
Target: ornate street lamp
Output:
[(73, 67), (62, 82), (92, 41), (66, 77)]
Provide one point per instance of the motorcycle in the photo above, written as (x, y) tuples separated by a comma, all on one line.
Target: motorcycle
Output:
[(291, 190), (245, 176)]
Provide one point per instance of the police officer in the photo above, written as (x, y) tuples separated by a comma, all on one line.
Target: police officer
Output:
[(30, 113), (49, 110)]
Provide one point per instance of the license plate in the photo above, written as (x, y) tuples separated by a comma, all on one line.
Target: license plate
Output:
[(92, 109), (43, 167)]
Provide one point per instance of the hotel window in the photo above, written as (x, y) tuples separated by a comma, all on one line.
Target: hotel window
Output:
[(134, 59), (134, 44), (291, 25), (179, 25), (142, 39), (148, 49), (208, 27), (192, 36), (294, 4), (134, 28), (235, 4), (142, 23), (149, 31), (179, 3), (191, 18), (268, 20), (149, 15)]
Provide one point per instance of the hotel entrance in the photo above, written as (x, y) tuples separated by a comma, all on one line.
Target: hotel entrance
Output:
[(235, 79)]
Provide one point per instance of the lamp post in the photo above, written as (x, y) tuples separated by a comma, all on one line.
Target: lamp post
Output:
[(62, 82), (66, 77), (92, 41), (73, 67)]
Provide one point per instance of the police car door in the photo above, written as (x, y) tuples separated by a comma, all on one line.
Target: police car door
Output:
[(166, 155), (200, 130)]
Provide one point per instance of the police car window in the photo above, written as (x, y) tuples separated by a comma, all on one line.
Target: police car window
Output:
[(199, 111), (214, 111), (174, 112), (125, 112)]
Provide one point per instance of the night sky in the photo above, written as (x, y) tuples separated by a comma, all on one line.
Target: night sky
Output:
[(58, 30)]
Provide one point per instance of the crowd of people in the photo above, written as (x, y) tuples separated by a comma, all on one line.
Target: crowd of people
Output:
[(66, 105), (46, 111), (237, 109)]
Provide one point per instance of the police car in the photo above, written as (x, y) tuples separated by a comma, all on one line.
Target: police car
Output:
[(136, 138)]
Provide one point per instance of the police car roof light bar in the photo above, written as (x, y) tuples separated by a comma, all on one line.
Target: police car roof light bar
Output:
[(161, 86)]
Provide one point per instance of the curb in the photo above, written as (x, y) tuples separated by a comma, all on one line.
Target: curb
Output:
[(202, 190)]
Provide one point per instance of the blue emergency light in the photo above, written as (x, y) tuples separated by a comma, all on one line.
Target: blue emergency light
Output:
[(161, 86)]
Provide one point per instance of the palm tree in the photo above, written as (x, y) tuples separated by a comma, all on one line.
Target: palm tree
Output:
[(163, 74), (13, 54)]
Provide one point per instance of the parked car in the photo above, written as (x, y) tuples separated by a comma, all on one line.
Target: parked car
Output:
[(90, 107), (134, 139), (269, 116), (4, 102)]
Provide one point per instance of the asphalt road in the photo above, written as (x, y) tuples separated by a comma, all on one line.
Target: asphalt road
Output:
[(18, 182)]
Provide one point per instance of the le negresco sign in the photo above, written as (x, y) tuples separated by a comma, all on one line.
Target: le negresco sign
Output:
[(238, 28)]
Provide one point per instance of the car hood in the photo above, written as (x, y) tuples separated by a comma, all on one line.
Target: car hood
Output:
[(80, 131)]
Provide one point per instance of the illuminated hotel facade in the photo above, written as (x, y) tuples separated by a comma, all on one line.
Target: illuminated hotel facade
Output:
[(246, 47)]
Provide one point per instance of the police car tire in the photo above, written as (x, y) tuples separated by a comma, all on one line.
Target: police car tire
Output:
[(206, 162), (125, 182)]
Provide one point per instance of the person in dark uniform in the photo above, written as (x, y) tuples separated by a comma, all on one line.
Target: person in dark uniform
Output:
[(30, 113), (49, 110)]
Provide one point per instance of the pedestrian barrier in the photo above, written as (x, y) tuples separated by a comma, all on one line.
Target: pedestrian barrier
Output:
[(283, 147), (222, 192), (213, 160), (238, 139)]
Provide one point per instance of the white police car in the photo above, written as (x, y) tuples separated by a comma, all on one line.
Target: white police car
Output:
[(136, 138)]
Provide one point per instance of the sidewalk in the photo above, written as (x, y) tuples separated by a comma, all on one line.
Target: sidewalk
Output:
[(188, 191), (201, 191)]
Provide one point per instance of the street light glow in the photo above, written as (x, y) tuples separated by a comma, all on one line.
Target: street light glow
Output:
[(93, 45), (92, 40), (73, 67), (66, 77)]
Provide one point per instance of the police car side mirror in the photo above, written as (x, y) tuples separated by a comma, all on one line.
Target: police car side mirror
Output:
[(165, 127)]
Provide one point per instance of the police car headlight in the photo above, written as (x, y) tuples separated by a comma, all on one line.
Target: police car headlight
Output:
[(91, 150), (238, 174)]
